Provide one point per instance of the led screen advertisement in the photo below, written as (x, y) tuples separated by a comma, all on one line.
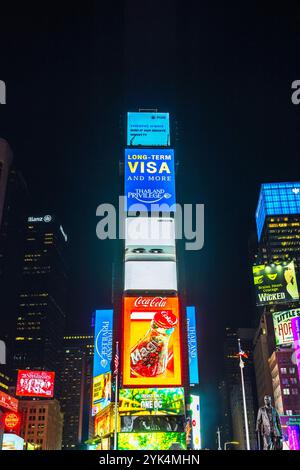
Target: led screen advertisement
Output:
[(101, 392), (103, 341), (151, 342), (35, 383), (148, 129), (149, 179), (11, 421), (192, 345), (8, 402), (151, 441), (150, 239), (150, 276), (104, 422), (152, 423), (283, 326), (275, 283), (147, 401), (296, 341), (195, 421), (12, 442)]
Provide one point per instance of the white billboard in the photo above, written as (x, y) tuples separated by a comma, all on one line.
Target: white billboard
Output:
[(150, 276), (150, 238)]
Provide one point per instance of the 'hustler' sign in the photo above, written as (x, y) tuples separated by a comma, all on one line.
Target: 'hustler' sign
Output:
[(149, 179)]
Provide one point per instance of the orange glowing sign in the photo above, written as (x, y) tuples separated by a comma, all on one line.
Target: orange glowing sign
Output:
[(12, 422), (151, 342)]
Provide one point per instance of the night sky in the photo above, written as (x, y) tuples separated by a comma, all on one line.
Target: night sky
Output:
[(225, 76)]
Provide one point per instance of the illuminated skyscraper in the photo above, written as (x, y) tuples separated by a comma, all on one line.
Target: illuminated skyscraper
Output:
[(42, 297), (278, 222), (76, 388)]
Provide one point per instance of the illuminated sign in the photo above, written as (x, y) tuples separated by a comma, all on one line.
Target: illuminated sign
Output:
[(296, 341), (104, 422), (283, 326), (192, 345), (147, 401), (45, 218), (8, 402), (149, 179), (277, 199), (103, 341), (151, 441), (35, 383), (149, 275), (148, 129), (101, 392), (12, 442), (152, 423), (150, 239), (11, 421), (151, 342), (195, 421), (275, 283)]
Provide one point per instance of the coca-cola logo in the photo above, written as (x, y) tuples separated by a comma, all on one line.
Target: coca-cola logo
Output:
[(150, 302)]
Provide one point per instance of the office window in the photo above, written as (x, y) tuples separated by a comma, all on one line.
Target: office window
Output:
[(286, 391)]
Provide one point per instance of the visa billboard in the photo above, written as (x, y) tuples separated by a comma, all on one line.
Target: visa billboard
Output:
[(148, 129), (149, 179)]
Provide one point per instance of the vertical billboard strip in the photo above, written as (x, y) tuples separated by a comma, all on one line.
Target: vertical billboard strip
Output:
[(296, 336), (192, 345), (102, 359)]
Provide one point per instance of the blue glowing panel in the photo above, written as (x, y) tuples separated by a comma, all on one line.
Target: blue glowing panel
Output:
[(103, 341), (149, 179), (192, 345), (148, 129), (277, 199)]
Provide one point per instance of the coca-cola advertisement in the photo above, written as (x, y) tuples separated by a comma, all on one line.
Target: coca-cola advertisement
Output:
[(35, 383), (151, 354)]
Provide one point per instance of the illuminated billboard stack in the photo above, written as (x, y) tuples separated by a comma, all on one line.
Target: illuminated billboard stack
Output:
[(276, 280), (152, 398)]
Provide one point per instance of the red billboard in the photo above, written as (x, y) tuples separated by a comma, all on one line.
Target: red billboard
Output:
[(35, 383), (8, 402), (12, 422)]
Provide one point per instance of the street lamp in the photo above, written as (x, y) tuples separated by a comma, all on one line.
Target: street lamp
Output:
[(236, 443)]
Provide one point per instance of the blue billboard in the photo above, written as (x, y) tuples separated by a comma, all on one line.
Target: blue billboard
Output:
[(103, 341), (148, 129), (192, 345), (149, 179)]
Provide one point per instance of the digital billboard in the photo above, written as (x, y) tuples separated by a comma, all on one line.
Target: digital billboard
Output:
[(283, 326), (151, 342), (195, 421), (149, 179), (150, 239), (104, 422), (290, 431), (148, 129), (296, 341), (152, 423), (150, 276), (192, 345), (12, 442), (101, 392), (11, 421), (8, 402), (148, 401), (151, 441), (275, 283), (103, 341), (35, 383)]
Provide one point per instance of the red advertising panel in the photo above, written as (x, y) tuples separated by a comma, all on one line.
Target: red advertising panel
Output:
[(152, 349), (35, 383), (11, 422), (8, 402)]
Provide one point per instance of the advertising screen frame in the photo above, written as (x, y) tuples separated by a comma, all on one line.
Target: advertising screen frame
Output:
[(145, 118), (282, 322), (35, 375), (152, 441), (139, 307), (151, 401), (192, 344)]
